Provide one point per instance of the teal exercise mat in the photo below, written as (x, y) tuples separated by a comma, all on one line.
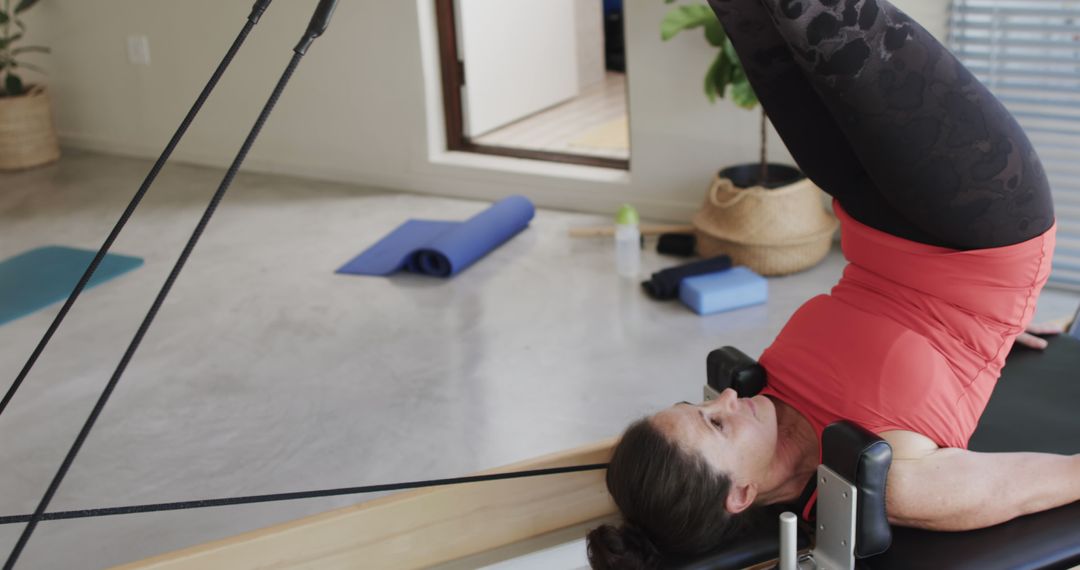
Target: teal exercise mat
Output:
[(40, 277)]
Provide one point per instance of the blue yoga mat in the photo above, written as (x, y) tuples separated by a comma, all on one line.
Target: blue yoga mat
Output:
[(443, 249), (40, 277)]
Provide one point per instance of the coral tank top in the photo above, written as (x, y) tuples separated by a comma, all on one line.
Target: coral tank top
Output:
[(913, 337)]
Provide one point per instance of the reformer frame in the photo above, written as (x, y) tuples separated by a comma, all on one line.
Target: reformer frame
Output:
[(439, 525), (418, 529)]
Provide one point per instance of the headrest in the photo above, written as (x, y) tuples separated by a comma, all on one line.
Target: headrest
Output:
[(728, 367), (863, 459)]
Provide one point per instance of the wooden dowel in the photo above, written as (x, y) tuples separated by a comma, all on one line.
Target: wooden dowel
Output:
[(645, 229)]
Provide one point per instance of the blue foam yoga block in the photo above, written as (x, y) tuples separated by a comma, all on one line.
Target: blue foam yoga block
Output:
[(723, 291)]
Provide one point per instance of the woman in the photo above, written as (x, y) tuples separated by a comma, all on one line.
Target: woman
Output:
[(948, 226)]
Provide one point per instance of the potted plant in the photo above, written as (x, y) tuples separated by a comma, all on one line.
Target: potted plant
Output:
[(768, 217), (27, 136)]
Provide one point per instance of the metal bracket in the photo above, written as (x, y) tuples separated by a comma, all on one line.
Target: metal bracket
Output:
[(834, 546)]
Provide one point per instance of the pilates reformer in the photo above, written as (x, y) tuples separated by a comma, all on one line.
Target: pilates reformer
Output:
[(430, 527)]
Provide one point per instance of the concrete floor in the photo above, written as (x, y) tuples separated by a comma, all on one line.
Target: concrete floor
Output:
[(266, 372)]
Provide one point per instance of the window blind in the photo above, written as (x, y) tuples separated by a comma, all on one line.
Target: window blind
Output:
[(1027, 52)]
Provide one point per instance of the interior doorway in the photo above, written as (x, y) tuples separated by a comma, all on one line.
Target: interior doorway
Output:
[(543, 80)]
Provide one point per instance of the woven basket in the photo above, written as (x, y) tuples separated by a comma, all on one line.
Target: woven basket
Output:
[(27, 136), (773, 232)]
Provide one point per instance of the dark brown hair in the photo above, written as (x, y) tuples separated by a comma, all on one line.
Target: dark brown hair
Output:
[(671, 500)]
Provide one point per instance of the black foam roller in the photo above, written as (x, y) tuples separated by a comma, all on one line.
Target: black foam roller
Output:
[(664, 284), (681, 245)]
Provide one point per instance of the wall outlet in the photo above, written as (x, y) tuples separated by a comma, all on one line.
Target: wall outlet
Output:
[(138, 48)]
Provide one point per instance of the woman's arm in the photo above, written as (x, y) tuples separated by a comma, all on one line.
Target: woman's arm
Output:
[(955, 489)]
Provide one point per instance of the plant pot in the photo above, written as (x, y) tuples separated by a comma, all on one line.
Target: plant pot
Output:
[(27, 135), (773, 231), (747, 175)]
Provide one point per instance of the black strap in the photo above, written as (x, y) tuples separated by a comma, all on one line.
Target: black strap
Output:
[(256, 12), (805, 497), (203, 503), (145, 326)]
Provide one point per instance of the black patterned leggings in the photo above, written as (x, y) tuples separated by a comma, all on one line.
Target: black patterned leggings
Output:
[(885, 119)]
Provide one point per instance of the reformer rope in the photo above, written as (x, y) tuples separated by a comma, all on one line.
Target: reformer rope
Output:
[(133, 346), (256, 13), (203, 503)]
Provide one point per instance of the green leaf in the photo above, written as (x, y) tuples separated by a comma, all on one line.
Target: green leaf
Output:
[(715, 33), (718, 78), (13, 85), (5, 42), (30, 66), (710, 80), (24, 5), (726, 70), (730, 69), (729, 51), (29, 49), (743, 94), (3, 17), (684, 18)]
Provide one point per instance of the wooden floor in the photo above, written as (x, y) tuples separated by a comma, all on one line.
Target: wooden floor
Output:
[(573, 126)]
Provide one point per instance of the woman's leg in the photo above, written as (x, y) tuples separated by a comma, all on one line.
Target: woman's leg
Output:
[(807, 128), (863, 93)]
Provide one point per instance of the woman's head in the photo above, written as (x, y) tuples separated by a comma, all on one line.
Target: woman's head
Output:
[(683, 480), (735, 436)]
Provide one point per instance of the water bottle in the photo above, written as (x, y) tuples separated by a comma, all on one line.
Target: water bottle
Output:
[(627, 243)]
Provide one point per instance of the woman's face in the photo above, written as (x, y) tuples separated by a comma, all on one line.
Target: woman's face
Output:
[(735, 435)]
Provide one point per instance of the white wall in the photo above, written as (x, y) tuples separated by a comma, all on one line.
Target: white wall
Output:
[(364, 106), (520, 56), (589, 20), (932, 14)]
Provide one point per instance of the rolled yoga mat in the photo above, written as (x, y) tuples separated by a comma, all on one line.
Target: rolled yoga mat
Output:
[(664, 285), (40, 277), (443, 249)]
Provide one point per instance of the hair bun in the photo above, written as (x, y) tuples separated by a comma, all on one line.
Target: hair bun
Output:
[(623, 548)]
